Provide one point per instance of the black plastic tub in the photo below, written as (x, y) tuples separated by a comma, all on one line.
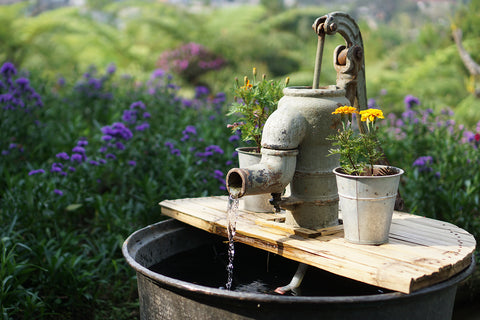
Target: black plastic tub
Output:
[(166, 296)]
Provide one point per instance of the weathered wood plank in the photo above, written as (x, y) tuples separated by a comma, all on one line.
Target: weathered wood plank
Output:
[(420, 251)]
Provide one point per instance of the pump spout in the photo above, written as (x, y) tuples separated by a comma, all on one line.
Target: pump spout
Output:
[(271, 175)]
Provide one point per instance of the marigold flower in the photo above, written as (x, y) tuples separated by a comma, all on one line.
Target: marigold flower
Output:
[(371, 114), (247, 85), (345, 110)]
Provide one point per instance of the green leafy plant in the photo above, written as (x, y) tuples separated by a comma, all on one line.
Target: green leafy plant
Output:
[(358, 152), (254, 103)]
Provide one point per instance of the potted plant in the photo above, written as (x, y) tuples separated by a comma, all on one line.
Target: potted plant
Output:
[(254, 102), (366, 191)]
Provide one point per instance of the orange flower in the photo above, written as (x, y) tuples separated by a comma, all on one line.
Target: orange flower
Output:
[(247, 83), (345, 110)]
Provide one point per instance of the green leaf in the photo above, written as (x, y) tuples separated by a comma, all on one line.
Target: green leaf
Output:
[(73, 206)]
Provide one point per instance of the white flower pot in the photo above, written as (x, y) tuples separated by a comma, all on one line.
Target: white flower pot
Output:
[(366, 205)]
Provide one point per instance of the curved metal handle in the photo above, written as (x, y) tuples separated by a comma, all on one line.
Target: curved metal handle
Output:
[(349, 59)]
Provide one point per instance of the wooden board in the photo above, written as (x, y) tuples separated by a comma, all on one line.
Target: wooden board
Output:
[(420, 251)]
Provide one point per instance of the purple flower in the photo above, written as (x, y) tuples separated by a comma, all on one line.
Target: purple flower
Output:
[(107, 137), (219, 98), (119, 145), (12, 146), (201, 91), (61, 81), (158, 73), (217, 174), (6, 97), (175, 152), (33, 172), (410, 101), (72, 169), (137, 104), (76, 157), (142, 127), (8, 69), (56, 167), (408, 115), (94, 163), (203, 155), (146, 115), (5, 152), (133, 163), (187, 103), (58, 192), (79, 149), (82, 143), (111, 68), (23, 83), (190, 130), (214, 148), (169, 145), (117, 130), (129, 116), (110, 156), (422, 163), (234, 138), (102, 161), (95, 83)]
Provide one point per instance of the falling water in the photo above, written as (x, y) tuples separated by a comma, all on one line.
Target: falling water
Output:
[(232, 214)]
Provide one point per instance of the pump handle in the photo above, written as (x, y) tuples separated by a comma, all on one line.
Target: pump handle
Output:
[(348, 59)]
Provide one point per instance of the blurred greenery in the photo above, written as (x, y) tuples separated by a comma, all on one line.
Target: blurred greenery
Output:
[(48, 240), (407, 52)]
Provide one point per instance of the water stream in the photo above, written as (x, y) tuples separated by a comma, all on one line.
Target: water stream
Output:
[(232, 215)]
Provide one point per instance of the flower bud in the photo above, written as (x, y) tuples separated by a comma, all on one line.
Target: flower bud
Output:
[(287, 80), (245, 80), (254, 72)]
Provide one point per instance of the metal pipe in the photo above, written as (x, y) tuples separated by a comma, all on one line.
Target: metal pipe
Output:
[(271, 175), (318, 61), (296, 280)]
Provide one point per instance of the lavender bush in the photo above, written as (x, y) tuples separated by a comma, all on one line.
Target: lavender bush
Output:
[(441, 160), (68, 210)]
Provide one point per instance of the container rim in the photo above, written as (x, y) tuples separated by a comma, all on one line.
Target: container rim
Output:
[(400, 171), (171, 225)]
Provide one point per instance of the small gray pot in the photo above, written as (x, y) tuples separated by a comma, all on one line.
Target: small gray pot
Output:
[(366, 205)]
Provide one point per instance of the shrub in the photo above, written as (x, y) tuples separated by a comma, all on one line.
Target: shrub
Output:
[(190, 61), (441, 163)]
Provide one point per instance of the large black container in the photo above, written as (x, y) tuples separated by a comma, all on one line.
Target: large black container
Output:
[(163, 297)]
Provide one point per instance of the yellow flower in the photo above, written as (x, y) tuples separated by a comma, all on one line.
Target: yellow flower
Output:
[(371, 114), (345, 110)]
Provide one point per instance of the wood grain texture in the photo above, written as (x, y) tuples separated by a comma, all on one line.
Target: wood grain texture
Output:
[(420, 252)]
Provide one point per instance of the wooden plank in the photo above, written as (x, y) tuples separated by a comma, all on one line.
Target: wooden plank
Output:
[(420, 252)]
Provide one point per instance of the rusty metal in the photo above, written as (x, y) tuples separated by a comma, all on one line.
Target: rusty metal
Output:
[(301, 124), (342, 57)]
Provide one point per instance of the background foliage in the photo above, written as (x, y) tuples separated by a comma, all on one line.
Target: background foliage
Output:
[(138, 135)]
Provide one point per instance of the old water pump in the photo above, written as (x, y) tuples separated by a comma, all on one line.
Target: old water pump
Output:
[(294, 145)]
